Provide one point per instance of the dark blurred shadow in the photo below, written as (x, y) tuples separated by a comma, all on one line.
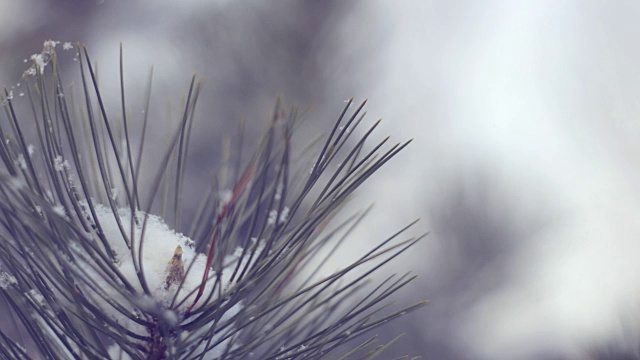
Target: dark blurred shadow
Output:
[(476, 224)]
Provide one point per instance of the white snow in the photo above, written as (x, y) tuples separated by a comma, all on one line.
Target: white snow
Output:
[(17, 183), (160, 243), (21, 162), (273, 215), (60, 164), (284, 215), (42, 59), (114, 193), (36, 296), (278, 194), (59, 209), (6, 280)]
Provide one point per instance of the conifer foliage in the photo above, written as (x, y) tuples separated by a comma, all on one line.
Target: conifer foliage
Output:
[(88, 272)]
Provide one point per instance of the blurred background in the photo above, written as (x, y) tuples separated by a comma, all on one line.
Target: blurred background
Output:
[(526, 122)]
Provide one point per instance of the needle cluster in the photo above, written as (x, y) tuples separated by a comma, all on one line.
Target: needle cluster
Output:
[(88, 272)]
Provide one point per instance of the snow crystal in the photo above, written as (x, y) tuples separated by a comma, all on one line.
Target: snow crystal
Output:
[(278, 194), (49, 195), (59, 209), (225, 196), (67, 46), (21, 162), (50, 44), (42, 59), (238, 252), (284, 215), (170, 317), (273, 215), (114, 193), (30, 148), (60, 164), (6, 280), (16, 183), (36, 296)]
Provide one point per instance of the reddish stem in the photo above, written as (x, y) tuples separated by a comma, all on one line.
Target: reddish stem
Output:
[(237, 191)]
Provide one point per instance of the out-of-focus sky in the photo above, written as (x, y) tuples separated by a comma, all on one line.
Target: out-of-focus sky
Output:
[(524, 167), (525, 115)]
